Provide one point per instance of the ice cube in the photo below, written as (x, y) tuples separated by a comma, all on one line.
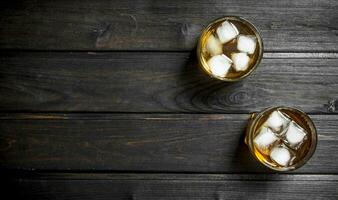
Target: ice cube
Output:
[(241, 61), (214, 46), (219, 65), (265, 139), (295, 135), (277, 121), (280, 155), (226, 32), (246, 43)]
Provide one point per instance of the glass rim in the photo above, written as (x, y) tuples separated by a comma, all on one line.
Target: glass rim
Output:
[(202, 62), (314, 137)]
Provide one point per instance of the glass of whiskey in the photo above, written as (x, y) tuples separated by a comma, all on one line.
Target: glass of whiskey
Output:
[(229, 49), (281, 138)]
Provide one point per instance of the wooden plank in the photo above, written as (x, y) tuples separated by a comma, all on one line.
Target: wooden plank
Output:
[(299, 25), (175, 186), (145, 143), (162, 82)]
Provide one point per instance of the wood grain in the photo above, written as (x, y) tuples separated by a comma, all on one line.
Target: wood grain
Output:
[(298, 25), (161, 82), (128, 115), (174, 186), (145, 143)]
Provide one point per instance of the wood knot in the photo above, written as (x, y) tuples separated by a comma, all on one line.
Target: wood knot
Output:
[(120, 29), (331, 106), (239, 96)]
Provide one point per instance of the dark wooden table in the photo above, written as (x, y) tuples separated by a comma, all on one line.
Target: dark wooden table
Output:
[(104, 100)]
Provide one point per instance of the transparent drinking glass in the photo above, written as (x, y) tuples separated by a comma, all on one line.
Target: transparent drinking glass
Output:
[(302, 155), (244, 28)]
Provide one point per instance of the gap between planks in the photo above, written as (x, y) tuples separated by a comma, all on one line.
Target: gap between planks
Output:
[(266, 54), (168, 176), (122, 116)]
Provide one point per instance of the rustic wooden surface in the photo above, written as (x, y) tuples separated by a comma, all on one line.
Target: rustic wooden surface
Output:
[(293, 25), (162, 82), (175, 186), (104, 100), (207, 143)]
